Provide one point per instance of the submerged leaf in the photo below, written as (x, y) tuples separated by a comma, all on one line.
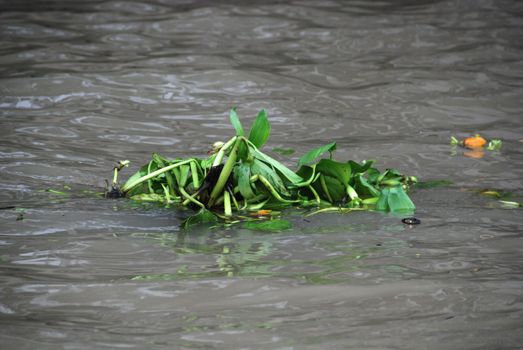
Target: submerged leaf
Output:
[(204, 216), (276, 225), (433, 183), (260, 130), (316, 152)]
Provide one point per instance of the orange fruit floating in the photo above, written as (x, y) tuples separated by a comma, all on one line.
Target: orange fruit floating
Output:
[(474, 142)]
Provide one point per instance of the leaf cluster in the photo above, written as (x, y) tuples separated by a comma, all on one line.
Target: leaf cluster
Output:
[(238, 177)]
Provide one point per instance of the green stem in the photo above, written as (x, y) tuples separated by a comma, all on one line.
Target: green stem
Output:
[(325, 188), (274, 193), (195, 177), (318, 200), (221, 152), (257, 206), (312, 179), (115, 176), (333, 209), (149, 182), (168, 175), (234, 201), (128, 187), (191, 199), (225, 173), (166, 192), (227, 204)]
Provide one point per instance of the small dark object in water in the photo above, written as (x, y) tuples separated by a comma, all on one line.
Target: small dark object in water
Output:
[(8, 207), (115, 192), (411, 221)]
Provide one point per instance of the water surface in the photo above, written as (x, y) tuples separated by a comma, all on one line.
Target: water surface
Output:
[(85, 84)]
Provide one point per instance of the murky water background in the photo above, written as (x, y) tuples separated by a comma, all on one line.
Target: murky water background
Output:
[(87, 83)]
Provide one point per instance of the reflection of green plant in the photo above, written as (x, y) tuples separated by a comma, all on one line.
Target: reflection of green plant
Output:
[(242, 255), (250, 254), (238, 177)]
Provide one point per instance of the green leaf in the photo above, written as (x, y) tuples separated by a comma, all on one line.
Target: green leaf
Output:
[(394, 199), (182, 174), (286, 172), (340, 171), (260, 168), (204, 216), (283, 151), (399, 201), (494, 145), (364, 188), (235, 121), (309, 175), (140, 173), (383, 203), (276, 225), (336, 188), (316, 152), (360, 168), (243, 150), (243, 174), (260, 130), (162, 162)]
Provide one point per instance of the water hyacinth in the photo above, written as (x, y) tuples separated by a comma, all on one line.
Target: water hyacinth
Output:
[(237, 177)]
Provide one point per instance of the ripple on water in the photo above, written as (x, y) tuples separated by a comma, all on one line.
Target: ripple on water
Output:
[(15, 154), (151, 140), (50, 131), (42, 171), (110, 122)]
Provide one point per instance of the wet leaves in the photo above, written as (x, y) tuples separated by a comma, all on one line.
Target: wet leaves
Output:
[(238, 177)]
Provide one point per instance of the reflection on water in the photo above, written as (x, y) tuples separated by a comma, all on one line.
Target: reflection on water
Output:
[(85, 84)]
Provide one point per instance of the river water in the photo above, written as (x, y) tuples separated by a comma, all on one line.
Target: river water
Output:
[(87, 83)]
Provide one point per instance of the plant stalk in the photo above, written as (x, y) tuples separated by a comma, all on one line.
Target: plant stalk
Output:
[(274, 193), (227, 204), (221, 152), (225, 173), (195, 177), (126, 187)]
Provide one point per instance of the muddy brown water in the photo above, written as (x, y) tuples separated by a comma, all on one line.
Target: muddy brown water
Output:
[(84, 84)]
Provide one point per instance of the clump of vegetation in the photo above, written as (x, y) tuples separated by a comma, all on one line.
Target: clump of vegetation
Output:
[(237, 177), (477, 142)]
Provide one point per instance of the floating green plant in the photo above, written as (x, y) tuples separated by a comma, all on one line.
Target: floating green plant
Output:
[(238, 178)]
